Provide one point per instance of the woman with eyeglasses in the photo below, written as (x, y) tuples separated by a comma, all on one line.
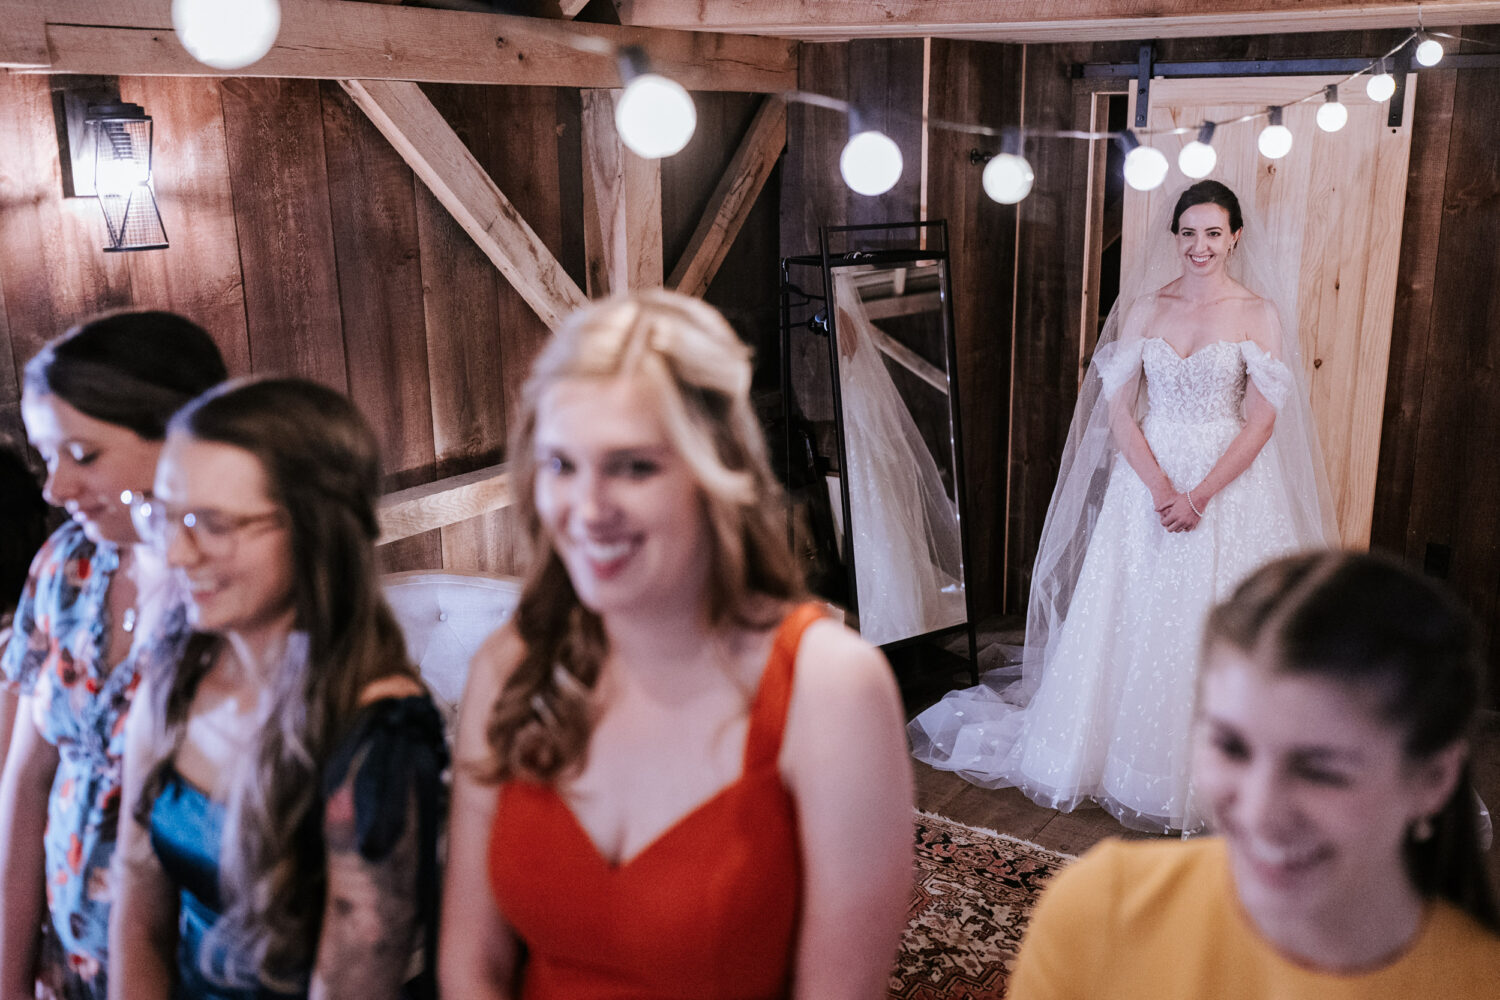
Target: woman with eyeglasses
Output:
[(95, 403), (283, 784)]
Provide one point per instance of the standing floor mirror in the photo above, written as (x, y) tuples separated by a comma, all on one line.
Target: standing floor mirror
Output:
[(878, 406)]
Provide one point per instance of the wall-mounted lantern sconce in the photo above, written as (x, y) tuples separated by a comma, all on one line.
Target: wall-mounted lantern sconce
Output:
[(106, 154), (122, 176)]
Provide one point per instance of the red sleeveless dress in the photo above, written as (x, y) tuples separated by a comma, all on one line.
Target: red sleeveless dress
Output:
[(706, 911)]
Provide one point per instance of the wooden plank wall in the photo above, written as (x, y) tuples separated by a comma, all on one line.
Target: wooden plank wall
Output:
[(814, 194), (303, 242), (884, 79), (971, 81), (1048, 302), (745, 288), (1437, 500), (967, 81)]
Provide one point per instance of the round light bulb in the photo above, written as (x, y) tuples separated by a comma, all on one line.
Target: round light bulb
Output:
[(226, 35), (1197, 159), (1430, 52), (871, 163), (1007, 178), (1275, 141), (1381, 87), (1332, 116), (655, 116), (1145, 168)]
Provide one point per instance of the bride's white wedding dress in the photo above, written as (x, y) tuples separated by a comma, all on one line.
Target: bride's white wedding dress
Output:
[(1111, 718)]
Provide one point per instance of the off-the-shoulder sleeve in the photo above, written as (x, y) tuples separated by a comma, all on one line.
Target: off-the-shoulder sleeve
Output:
[(1271, 377), (1116, 363)]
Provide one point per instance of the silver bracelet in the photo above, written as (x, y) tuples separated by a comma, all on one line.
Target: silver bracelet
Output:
[(1189, 495)]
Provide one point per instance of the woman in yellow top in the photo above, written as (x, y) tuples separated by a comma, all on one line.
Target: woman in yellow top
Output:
[(1331, 746)]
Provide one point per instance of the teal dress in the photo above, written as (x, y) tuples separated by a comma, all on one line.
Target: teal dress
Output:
[(393, 756)]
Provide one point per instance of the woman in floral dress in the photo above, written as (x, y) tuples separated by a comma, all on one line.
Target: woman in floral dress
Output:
[(95, 402)]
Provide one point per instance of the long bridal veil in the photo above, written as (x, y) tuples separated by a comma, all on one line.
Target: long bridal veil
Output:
[(1089, 454), (908, 560), (994, 711)]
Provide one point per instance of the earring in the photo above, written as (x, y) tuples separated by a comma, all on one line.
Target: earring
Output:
[(1421, 829)]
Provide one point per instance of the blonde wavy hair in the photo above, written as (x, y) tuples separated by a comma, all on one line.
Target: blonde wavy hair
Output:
[(699, 372)]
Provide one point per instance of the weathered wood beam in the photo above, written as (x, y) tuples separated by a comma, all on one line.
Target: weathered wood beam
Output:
[(732, 200), (621, 205), (910, 360), (339, 39), (447, 501), (439, 157), (904, 305), (1060, 21), (23, 36)]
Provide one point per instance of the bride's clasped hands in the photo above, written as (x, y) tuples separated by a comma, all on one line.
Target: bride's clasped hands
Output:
[(1180, 511)]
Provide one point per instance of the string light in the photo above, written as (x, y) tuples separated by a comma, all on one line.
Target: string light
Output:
[(1429, 50), (655, 116), (1382, 85), (871, 163), (1007, 178), (1275, 139), (1198, 157), (1332, 115), (1145, 167), (226, 35)]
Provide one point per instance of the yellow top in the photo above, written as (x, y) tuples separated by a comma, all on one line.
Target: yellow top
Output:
[(1159, 919)]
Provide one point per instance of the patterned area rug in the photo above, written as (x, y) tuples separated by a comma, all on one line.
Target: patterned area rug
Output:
[(974, 892)]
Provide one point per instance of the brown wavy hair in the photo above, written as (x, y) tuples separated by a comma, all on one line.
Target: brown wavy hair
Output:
[(1369, 622), (699, 372), (322, 467)]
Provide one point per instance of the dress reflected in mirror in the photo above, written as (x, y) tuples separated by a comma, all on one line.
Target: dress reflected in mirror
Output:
[(908, 555)]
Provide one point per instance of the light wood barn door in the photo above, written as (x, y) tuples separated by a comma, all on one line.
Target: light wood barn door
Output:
[(1332, 211)]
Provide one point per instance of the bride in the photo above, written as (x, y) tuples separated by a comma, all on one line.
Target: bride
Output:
[(1191, 460)]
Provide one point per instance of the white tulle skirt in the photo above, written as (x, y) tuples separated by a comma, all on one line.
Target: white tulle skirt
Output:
[(1111, 719)]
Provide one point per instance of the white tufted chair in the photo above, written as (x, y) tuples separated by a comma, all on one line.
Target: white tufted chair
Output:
[(446, 617)]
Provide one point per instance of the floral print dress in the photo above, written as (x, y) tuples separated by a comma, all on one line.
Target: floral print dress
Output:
[(57, 656)]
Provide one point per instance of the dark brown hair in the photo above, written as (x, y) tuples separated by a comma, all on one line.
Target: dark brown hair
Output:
[(1210, 193), (322, 467), (1369, 622), (699, 373), (133, 369)]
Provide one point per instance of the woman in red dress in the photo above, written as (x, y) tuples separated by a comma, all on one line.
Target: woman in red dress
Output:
[(703, 788)]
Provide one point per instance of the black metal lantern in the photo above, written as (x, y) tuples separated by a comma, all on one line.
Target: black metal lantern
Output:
[(120, 135)]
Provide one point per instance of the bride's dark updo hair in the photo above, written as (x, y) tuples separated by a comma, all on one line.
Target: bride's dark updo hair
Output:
[(1210, 193)]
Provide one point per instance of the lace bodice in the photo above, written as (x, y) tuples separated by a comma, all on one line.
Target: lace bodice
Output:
[(1206, 386)]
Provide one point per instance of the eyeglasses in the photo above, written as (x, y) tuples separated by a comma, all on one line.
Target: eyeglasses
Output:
[(215, 532)]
